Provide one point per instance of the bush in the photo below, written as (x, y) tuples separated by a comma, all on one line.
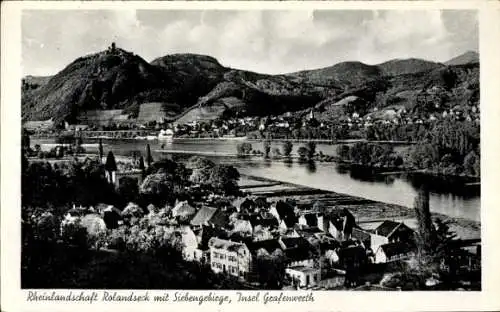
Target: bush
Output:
[(244, 149), (287, 148)]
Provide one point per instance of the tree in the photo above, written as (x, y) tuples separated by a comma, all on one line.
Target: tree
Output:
[(472, 164), (302, 151), (287, 148), (149, 158), (343, 152), (276, 152), (110, 165), (311, 150), (425, 228), (25, 139), (244, 149), (224, 178), (267, 148), (128, 189), (424, 156), (142, 167), (101, 151), (157, 189), (271, 268)]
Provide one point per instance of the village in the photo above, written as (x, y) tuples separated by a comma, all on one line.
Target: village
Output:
[(152, 119)]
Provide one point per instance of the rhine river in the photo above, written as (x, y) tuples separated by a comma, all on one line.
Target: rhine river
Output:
[(399, 189)]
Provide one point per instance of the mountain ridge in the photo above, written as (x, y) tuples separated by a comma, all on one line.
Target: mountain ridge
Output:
[(118, 79)]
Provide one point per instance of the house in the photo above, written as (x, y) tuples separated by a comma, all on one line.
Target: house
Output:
[(303, 276), (309, 219), (43, 125), (261, 233), (298, 251), (362, 236), (394, 252), (75, 127), (183, 210), (268, 246), (229, 257), (111, 216), (263, 220), (340, 224), (290, 232), (244, 205), (202, 217), (285, 213), (352, 257), (220, 219), (189, 243), (242, 227), (390, 232)]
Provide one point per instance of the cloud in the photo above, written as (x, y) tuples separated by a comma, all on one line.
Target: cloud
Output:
[(265, 41)]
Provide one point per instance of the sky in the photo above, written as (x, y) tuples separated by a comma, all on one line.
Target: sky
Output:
[(265, 41)]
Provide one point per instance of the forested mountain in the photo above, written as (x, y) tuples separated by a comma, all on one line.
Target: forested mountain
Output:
[(117, 79)]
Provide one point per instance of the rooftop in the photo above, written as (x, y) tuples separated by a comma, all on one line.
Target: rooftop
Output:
[(304, 269)]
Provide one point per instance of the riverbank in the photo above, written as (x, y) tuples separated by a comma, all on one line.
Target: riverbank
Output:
[(368, 213)]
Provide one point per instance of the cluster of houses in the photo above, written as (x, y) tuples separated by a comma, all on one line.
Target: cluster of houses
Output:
[(318, 249)]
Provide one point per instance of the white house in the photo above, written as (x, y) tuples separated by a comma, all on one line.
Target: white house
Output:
[(189, 243), (229, 257), (304, 276), (390, 232), (393, 252)]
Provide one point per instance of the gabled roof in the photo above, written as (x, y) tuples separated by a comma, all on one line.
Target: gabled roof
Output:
[(360, 235), (393, 249), (269, 245), (387, 228), (183, 209), (203, 216), (218, 243), (262, 219), (219, 219), (311, 219), (297, 248)]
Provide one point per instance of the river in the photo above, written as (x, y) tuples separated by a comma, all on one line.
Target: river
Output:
[(445, 196)]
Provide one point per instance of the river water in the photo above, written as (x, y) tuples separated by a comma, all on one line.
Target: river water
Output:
[(445, 196)]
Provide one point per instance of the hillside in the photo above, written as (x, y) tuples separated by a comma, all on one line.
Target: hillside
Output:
[(192, 86), (466, 58), (407, 66)]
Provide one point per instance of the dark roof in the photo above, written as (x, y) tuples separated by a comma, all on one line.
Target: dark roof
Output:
[(262, 202), (247, 204), (311, 219), (352, 251), (263, 219), (387, 227), (361, 235), (203, 216), (294, 246), (284, 210), (393, 249), (297, 248), (270, 245), (219, 219), (309, 230)]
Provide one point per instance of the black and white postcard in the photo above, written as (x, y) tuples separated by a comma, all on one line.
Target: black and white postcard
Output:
[(250, 155)]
